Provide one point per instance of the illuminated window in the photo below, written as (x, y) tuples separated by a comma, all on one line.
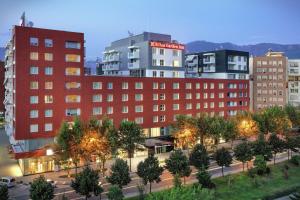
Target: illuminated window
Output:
[(48, 113), (97, 98), (72, 98), (72, 71), (97, 85), (175, 63), (34, 128), (48, 99), (34, 70), (72, 45), (34, 99), (34, 41), (34, 85), (48, 70), (49, 85), (34, 55), (34, 114), (73, 85), (48, 56), (48, 43), (72, 58), (48, 127), (97, 110)]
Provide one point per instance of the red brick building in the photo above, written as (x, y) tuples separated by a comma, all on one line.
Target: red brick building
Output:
[(2, 89), (46, 85)]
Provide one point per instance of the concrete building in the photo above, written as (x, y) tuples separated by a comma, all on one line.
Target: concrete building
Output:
[(294, 82), (2, 89), (223, 64), (269, 80), (144, 55)]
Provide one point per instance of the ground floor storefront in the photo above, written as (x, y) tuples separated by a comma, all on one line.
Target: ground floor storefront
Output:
[(36, 165)]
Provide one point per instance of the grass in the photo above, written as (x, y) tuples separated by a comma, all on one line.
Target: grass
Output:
[(243, 187)]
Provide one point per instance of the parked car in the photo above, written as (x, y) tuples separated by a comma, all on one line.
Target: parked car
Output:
[(53, 183), (8, 181)]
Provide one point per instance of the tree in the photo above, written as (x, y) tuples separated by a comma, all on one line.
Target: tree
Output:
[(277, 145), (204, 178), (199, 157), (115, 193), (149, 170), (293, 115), (202, 126), (291, 144), (178, 164), (87, 182), (119, 173), (223, 158), (216, 127), (184, 132), (4, 192), (261, 164), (229, 132), (261, 147), (246, 126), (40, 189), (243, 153), (130, 137)]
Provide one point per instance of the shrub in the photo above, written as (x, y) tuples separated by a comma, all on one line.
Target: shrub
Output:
[(268, 171), (204, 179), (260, 164), (251, 172), (295, 160), (115, 193), (177, 181)]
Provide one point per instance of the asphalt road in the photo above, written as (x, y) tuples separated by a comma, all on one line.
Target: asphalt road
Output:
[(21, 192)]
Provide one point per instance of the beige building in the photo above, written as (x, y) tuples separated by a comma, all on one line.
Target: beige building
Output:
[(269, 80)]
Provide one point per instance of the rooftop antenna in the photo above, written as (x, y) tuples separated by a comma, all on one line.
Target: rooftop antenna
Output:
[(22, 20), (130, 34)]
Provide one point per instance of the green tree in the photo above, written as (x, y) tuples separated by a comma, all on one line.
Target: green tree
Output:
[(216, 127), (115, 193), (204, 178), (119, 173), (277, 145), (87, 182), (199, 157), (40, 189), (4, 192), (130, 137), (223, 158), (202, 126), (149, 170), (261, 147), (243, 153), (245, 125), (178, 163), (261, 164), (229, 132), (293, 114), (291, 144)]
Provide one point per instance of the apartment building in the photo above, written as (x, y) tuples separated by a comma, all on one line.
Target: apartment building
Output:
[(269, 80), (294, 82), (222, 64), (144, 55), (45, 84), (2, 89)]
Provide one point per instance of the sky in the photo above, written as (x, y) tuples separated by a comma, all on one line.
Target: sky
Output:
[(104, 21)]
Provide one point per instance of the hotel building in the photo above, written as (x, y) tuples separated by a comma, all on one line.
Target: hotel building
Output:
[(45, 84)]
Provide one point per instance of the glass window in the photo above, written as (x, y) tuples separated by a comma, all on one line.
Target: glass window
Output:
[(188, 86), (155, 96), (175, 63), (72, 58), (72, 99), (175, 52), (205, 86), (162, 86), (124, 109), (221, 85), (73, 112), (124, 85), (175, 96), (34, 99), (161, 62), (34, 55), (162, 107), (175, 86), (34, 85), (139, 108), (48, 99), (97, 85), (48, 113), (138, 85), (155, 85), (139, 120), (48, 85), (162, 96), (73, 85), (155, 119), (110, 98), (124, 97), (161, 51), (97, 98), (72, 45), (188, 96), (48, 56), (110, 110), (34, 128), (197, 85), (155, 107), (48, 127), (34, 114), (110, 86), (72, 71), (188, 106), (48, 43), (48, 70), (175, 106), (34, 41), (97, 110), (139, 97), (161, 74), (34, 70)]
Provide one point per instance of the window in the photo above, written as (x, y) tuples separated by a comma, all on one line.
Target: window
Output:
[(138, 97), (212, 85), (34, 55), (34, 70), (197, 95), (124, 97), (48, 56), (175, 86), (48, 127), (72, 99), (49, 85), (198, 106), (110, 98), (73, 112), (34, 128), (161, 62), (97, 85), (34, 41), (162, 107), (72, 58), (212, 95), (175, 96), (72, 45), (176, 106), (155, 107), (124, 85), (162, 96), (72, 71), (48, 70), (154, 74), (205, 105), (162, 118), (110, 110), (34, 99), (162, 86), (138, 85), (155, 96), (110, 86), (175, 52), (155, 85), (34, 114), (97, 98), (205, 86), (34, 85), (188, 106), (73, 85), (188, 96), (221, 86), (161, 74), (188, 86), (197, 85), (48, 99), (155, 119), (161, 51), (97, 110), (48, 43), (205, 96), (138, 109), (221, 104), (221, 95), (139, 120), (48, 113), (154, 62), (175, 63), (125, 109)]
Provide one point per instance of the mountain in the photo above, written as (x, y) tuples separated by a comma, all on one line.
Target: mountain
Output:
[(291, 50), (2, 52)]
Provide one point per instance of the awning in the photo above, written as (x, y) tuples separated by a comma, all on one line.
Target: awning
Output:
[(157, 142)]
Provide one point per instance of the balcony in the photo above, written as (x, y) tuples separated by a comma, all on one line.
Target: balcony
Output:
[(134, 65), (209, 68), (111, 66), (134, 55)]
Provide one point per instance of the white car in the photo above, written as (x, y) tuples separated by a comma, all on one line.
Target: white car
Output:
[(8, 181)]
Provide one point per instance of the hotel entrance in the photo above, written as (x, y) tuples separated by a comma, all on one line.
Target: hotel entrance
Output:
[(36, 165)]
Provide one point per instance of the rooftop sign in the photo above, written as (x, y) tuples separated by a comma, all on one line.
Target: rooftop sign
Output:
[(167, 45)]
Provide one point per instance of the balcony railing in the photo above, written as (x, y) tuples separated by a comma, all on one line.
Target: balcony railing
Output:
[(134, 65), (134, 55)]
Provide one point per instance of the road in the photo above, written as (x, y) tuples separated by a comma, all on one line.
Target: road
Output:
[(21, 192)]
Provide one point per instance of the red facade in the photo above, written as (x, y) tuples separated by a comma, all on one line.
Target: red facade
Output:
[(2, 89)]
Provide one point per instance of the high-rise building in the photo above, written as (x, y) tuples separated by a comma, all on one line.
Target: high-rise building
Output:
[(144, 55), (223, 64), (2, 89), (269, 80), (294, 82)]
